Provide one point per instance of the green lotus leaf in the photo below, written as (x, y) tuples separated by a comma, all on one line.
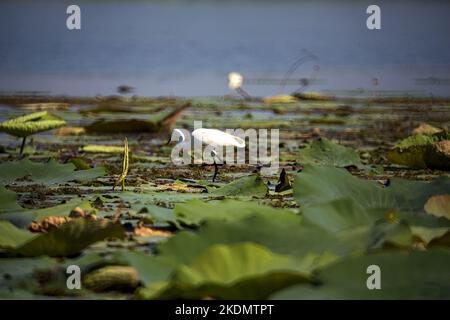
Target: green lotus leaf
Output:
[(390, 234), (423, 139), (11, 237), (417, 151), (340, 215), (429, 234), (319, 185), (327, 153), (151, 269), (8, 200), (194, 212), (403, 275), (281, 232), (21, 217), (31, 123), (49, 173), (240, 271), (251, 186), (71, 238), (337, 202), (158, 215), (144, 204), (18, 278)]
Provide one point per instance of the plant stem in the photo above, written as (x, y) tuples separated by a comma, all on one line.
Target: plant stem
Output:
[(23, 144), (125, 165)]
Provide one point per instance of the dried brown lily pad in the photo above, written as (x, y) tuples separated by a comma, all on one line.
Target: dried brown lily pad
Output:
[(54, 222), (143, 231)]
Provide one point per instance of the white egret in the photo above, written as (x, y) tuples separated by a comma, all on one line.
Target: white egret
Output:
[(235, 82), (214, 138)]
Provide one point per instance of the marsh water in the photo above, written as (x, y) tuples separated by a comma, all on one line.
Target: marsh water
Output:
[(187, 48)]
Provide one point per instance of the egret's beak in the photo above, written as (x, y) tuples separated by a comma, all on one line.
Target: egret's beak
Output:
[(170, 139), (180, 134)]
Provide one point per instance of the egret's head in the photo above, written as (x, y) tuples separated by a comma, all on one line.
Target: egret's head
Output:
[(177, 135), (235, 80)]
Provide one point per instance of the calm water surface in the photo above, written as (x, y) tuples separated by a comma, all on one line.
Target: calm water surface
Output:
[(188, 47)]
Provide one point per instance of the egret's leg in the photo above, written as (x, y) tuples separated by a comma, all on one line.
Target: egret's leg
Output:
[(244, 94), (216, 169)]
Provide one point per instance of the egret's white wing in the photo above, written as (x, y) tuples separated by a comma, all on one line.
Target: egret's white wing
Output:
[(217, 137)]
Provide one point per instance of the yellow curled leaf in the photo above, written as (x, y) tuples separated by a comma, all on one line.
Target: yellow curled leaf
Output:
[(29, 124), (282, 98)]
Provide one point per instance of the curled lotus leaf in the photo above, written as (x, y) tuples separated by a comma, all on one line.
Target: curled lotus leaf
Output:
[(31, 123)]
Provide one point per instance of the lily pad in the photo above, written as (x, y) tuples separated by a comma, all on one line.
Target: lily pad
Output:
[(11, 237), (22, 217), (415, 275), (423, 139), (429, 234), (339, 215), (18, 277), (151, 269), (318, 185), (158, 215), (153, 203), (241, 271), (342, 204), (390, 234), (327, 153), (49, 173), (195, 212), (418, 151), (161, 122), (69, 239), (282, 233), (251, 186), (8, 200)]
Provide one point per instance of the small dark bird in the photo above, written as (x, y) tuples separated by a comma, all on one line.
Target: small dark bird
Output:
[(124, 89)]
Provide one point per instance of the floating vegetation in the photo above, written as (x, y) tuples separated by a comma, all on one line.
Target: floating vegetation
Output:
[(161, 123), (45, 106), (93, 148), (30, 124), (282, 98), (303, 232), (50, 173), (423, 151), (325, 152)]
